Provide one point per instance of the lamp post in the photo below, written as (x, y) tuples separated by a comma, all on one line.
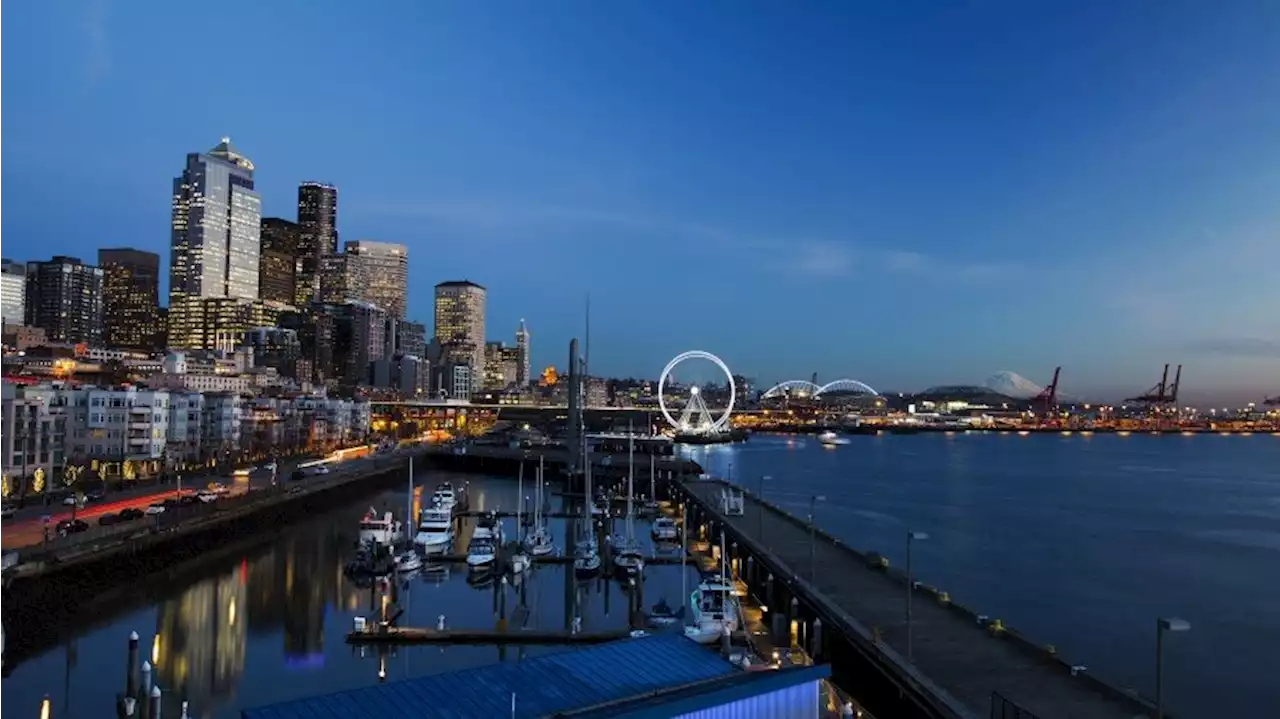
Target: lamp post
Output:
[(763, 478), (813, 558), (1164, 624), (911, 537)]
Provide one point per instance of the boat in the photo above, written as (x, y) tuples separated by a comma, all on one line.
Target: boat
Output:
[(831, 439), (520, 558), (586, 556), (665, 529), (715, 608), (627, 557), (372, 560), (662, 615), (731, 502), (539, 542), (651, 502), (445, 496), (483, 549), (435, 529), (408, 562), (384, 530)]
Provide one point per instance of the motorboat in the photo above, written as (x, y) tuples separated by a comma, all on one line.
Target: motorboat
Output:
[(445, 497), (731, 502), (662, 615), (384, 529), (831, 439), (629, 560), (435, 529), (483, 549), (372, 560), (520, 562), (715, 610), (539, 542), (665, 529), (408, 562)]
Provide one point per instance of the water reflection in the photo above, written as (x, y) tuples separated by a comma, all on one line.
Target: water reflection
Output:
[(270, 624)]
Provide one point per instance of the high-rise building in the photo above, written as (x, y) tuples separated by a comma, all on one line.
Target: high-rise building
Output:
[(459, 315), (335, 280), (64, 296), (278, 265), (379, 274), (318, 228), (411, 339), (522, 356), (130, 297), (216, 238), (360, 339), (13, 291), (501, 365)]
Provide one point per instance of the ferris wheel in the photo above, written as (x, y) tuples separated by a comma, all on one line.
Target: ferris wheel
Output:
[(696, 417)]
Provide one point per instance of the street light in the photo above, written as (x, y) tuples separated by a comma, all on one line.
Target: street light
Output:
[(813, 560), (911, 537), (763, 478), (1164, 624)]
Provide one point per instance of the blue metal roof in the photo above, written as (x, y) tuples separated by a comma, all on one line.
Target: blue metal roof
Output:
[(696, 698), (542, 685)]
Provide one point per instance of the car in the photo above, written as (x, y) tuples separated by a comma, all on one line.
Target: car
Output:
[(69, 500), (271, 467), (319, 469), (71, 526), (156, 508), (187, 500), (109, 519), (131, 513), (96, 495), (8, 511), (207, 496), (217, 488)]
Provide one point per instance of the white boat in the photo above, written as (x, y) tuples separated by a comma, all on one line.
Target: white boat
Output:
[(831, 439), (731, 502), (665, 529), (483, 549), (408, 562), (627, 557), (520, 562), (715, 609), (519, 558), (384, 530), (539, 542), (586, 558), (435, 530), (445, 496)]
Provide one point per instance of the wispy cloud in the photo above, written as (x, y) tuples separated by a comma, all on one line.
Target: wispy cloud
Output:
[(945, 269), (822, 259), (1248, 347), (97, 49)]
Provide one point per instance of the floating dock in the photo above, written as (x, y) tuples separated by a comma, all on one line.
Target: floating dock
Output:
[(423, 635)]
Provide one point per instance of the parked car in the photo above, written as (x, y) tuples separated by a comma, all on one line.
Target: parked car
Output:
[(71, 526), (131, 513), (156, 508), (207, 496)]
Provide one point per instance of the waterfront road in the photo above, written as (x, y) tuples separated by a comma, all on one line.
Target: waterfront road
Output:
[(959, 655), (27, 528)]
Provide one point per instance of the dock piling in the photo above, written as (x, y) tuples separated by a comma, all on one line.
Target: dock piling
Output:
[(45, 707), (154, 706), (131, 667), (145, 689)]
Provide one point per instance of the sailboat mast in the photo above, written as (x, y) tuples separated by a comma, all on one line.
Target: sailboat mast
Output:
[(684, 553), (520, 498), (653, 488), (631, 474), (408, 507)]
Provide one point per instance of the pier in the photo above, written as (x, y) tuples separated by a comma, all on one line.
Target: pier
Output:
[(423, 635), (848, 608)]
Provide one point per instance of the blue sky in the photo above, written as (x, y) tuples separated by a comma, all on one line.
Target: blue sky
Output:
[(905, 193)]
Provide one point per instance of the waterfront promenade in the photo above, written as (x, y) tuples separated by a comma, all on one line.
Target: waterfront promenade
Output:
[(964, 658)]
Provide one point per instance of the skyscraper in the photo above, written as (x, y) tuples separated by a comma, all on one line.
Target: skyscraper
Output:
[(64, 296), (216, 238), (130, 297), (13, 290), (522, 356), (318, 225), (278, 264), (459, 315), (378, 273)]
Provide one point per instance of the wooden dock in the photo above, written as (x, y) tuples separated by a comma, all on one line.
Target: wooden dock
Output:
[(959, 659), (423, 635), (661, 560)]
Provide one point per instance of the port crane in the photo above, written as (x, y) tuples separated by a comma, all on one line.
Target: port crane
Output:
[(1272, 401), (1164, 393), (1046, 403)]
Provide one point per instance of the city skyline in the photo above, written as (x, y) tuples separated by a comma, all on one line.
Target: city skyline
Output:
[(1099, 208)]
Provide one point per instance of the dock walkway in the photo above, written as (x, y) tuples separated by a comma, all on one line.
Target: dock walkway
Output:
[(423, 635), (961, 656)]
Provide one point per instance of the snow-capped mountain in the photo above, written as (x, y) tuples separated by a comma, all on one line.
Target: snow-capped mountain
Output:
[(1012, 384)]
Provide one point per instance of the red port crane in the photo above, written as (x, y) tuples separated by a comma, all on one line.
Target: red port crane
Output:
[(1046, 403)]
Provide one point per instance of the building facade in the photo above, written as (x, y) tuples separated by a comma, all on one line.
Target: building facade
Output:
[(379, 274), (318, 236), (411, 339), (277, 267), (130, 298), (459, 317), (215, 246), (64, 296), (522, 355), (13, 291), (335, 280)]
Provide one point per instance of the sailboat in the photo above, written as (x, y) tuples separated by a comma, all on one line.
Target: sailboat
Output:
[(520, 558), (651, 502), (661, 614), (539, 542), (715, 608), (586, 556), (626, 553), (485, 540)]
